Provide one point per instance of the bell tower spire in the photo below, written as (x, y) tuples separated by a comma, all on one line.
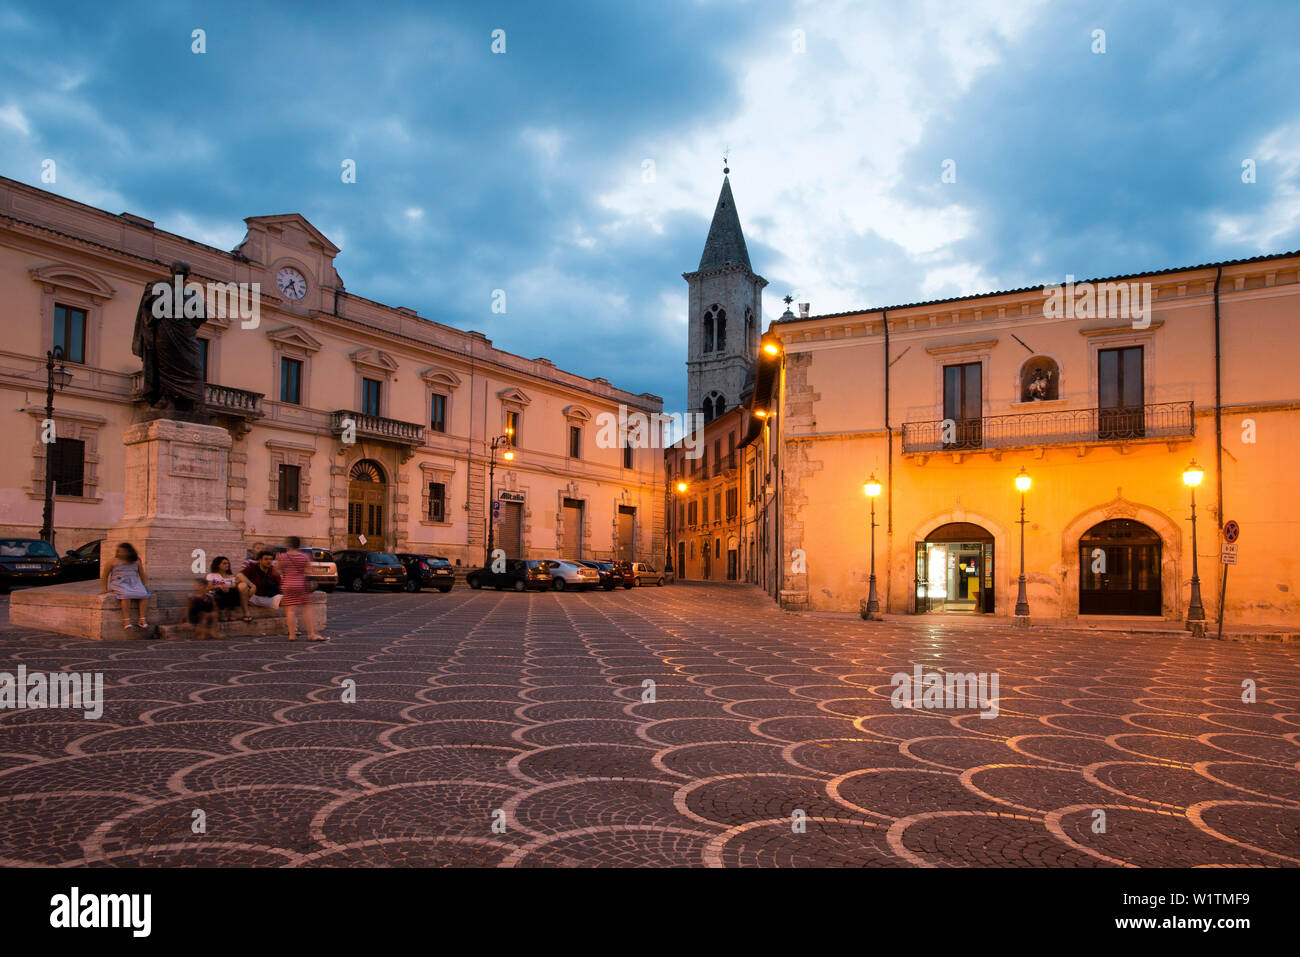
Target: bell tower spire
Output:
[(726, 310)]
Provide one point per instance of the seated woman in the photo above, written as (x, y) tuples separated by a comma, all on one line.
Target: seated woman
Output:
[(224, 588)]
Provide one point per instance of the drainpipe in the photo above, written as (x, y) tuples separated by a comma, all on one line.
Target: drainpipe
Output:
[(889, 475), (1218, 417)]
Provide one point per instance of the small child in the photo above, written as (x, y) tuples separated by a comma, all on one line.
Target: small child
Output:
[(203, 610)]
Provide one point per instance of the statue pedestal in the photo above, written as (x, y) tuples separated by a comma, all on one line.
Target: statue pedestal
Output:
[(175, 509), (175, 516)]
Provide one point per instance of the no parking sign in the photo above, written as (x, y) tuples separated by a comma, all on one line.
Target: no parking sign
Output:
[(1230, 531)]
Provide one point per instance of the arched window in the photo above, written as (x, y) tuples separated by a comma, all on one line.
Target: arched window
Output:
[(715, 329), (749, 329), (708, 410), (719, 406)]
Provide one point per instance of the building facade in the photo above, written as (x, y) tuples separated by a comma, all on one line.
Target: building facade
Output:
[(355, 424), (1103, 408)]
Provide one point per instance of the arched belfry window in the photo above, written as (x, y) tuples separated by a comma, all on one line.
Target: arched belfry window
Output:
[(715, 328), (714, 406), (749, 329), (1040, 379), (708, 410)]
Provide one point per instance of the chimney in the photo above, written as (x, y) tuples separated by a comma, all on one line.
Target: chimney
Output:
[(803, 310)]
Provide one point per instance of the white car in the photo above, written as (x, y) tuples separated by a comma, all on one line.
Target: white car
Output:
[(647, 574), (566, 573)]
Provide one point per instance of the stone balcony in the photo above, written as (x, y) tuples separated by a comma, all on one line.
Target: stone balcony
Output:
[(220, 399), (378, 428), (1158, 421)]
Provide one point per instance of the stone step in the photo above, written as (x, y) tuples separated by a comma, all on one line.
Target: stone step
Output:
[(257, 628)]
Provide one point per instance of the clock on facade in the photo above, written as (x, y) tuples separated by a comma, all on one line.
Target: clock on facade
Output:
[(291, 283)]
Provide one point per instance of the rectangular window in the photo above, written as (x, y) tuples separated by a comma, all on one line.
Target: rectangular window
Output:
[(70, 332), (512, 427), (370, 393), (291, 381), (438, 412), (963, 403), (717, 506), (203, 359), (575, 442), (717, 456), (437, 502), (288, 497), (694, 512), (732, 503), (627, 457), (67, 463), (704, 510), (1120, 393), (731, 450)]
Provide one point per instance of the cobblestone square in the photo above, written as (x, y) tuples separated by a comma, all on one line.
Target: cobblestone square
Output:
[(503, 729)]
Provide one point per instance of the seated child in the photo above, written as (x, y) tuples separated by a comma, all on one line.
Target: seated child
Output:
[(202, 609)]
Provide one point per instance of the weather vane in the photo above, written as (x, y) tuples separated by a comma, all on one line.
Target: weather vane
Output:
[(726, 167)]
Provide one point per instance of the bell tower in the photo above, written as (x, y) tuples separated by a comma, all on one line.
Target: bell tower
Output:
[(726, 313)]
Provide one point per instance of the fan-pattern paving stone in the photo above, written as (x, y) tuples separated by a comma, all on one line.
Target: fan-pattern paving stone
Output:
[(683, 726)]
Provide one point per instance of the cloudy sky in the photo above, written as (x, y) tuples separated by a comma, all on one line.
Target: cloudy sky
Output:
[(577, 170)]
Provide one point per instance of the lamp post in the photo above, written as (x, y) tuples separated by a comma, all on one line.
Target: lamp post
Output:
[(680, 488), (1022, 599), (1192, 476), (509, 456), (62, 377), (872, 488)]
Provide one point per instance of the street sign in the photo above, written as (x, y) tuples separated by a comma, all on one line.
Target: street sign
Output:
[(1229, 555), (1230, 531), (496, 509)]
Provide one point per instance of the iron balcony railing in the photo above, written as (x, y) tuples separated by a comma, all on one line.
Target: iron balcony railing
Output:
[(1160, 420), (377, 427)]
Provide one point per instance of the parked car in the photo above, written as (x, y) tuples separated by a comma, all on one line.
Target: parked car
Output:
[(645, 574), (520, 574), (623, 572), (608, 579), (322, 571), (570, 573), (427, 571), (80, 564), (28, 561), (358, 570)]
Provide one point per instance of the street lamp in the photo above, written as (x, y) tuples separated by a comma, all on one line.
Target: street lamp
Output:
[(501, 441), (1192, 476), (680, 488), (872, 488), (62, 377), (1022, 600)]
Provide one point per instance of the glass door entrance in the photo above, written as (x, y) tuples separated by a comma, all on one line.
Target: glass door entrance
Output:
[(955, 572)]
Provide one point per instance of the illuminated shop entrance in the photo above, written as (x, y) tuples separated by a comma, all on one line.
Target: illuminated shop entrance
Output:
[(1119, 569), (954, 570)]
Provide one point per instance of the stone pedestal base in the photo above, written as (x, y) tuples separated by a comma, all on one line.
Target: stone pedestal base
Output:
[(175, 508), (81, 610)]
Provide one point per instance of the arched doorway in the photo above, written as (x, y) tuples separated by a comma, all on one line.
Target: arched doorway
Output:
[(1119, 569), (954, 570), (367, 501)]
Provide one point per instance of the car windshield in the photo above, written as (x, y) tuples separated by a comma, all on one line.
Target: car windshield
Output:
[(439, 562), (26, 548), (320, 555), (383, 558)]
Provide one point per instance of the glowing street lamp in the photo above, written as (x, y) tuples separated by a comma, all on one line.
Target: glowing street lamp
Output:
[(771, 348), (1192, 477), (1022, 599), (681, 488), (872, 489), (504, 442)]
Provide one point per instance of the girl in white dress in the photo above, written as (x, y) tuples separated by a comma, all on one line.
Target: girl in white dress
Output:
[(124, 576)]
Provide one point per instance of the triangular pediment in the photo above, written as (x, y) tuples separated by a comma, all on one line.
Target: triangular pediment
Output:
[(290, 221), (374, 359), (295, 337), (514, 396)]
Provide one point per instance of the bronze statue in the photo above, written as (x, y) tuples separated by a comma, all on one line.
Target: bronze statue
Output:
[(165, 339)]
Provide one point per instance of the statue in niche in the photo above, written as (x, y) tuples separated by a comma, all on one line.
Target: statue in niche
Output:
[(1039, 381), (1040, 385)]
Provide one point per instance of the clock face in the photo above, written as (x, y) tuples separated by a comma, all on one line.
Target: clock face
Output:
[(291, 283)]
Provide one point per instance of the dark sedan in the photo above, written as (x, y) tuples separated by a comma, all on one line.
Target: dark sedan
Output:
[(519, 574), (360, 570), (28, 561), (427, 571), (80, 564)]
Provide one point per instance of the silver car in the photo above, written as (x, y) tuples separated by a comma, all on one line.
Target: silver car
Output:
[(566, 573)]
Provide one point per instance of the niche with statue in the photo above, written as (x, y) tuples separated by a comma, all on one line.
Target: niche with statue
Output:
[(1040, 380)]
